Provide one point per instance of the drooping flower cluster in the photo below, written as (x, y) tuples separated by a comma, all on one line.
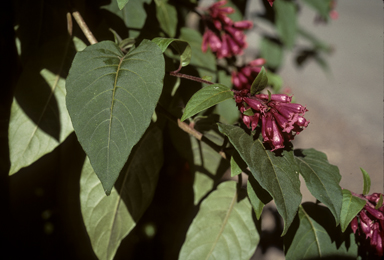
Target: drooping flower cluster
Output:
[(371, 223), (280, 119), (245, 75), (224, 36)]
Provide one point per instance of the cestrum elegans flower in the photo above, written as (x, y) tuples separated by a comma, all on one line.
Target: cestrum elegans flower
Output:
[(280, 119), (245, 75), (371, 223), (224, 36)]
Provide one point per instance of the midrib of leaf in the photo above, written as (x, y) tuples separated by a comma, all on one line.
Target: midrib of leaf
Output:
[(210, 97), (223, 225), (110, 115), (314, 230), (50, 96), (119, 200)]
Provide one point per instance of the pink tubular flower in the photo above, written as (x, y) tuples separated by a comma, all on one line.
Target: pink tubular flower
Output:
[(221, 28), (371, 222), (245, 75), (280, 119)]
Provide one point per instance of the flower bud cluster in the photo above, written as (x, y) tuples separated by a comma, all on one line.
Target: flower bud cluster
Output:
[(280, 119), (371, 223), (245, 75), (224, 36)]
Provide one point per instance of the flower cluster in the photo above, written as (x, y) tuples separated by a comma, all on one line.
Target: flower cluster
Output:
[(245, 75), (280, 119), (224, 36), (371, 223)]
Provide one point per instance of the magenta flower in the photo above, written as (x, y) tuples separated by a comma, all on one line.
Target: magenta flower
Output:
[(245, 75), (371, 223), (225, 37), (280, 119)]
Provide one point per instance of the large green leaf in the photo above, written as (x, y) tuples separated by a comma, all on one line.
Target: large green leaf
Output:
[(111, 98), (286, 21), (39, 119), (222, 229), (167, 16), (276, 174), (134, 14), (351, 207), (182, 47), (322, 179), (315, 237), (204, 62), (205, 98), (108, 219)]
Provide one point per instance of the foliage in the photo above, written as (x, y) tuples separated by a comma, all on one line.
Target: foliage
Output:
[(152, 121)]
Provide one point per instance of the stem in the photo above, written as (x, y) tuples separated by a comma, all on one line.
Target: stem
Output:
[(83, 26), (190, 130), (180, 75)]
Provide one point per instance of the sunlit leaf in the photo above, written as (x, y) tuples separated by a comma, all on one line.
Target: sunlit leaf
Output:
[(276, 174), (222, 229), (322, 179), (205, 98), (108, 219), (351, 207), (111, 98), (39, 119)]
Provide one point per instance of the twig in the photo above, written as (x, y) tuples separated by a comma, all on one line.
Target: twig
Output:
[(83, 26), (69, 24), (180, 75)]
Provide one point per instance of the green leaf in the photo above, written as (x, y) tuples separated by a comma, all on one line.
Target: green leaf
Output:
[(134, 14), (108, 219), (222, 229), (322, 179), (39, 119), (182, 47), (111, 98), (322, 7), (380, 202), (316, 42), (351, 207), (314, 236), (235, 168), (229, 113), (272, 52), (367, 182), (167, 16), (257, 196), (122, 3), (286, 21), (205, 98), (276, 174), (204, 62), (260, 82)]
